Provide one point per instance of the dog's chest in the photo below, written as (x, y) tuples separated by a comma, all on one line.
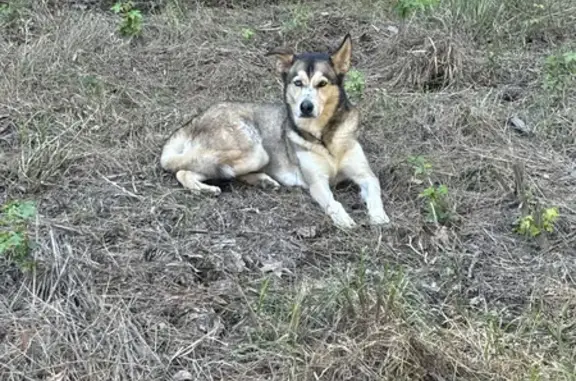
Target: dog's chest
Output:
[(318, 162)]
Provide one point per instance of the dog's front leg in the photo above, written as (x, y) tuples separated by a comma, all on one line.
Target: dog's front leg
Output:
[(321, 193), (316, 176), (355, 166)]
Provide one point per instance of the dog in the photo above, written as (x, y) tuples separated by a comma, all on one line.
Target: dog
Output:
[(309, 140)]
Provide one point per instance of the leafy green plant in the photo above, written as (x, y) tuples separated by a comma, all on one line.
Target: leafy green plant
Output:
[(92, 84), (8, 13), (355, 83), (248, 33), (436, 203), (4, 9), (533, 224), (131, 24), (298, 20), (420, 164), (405, 8), (435, 196), (14, 240), (560, 71)]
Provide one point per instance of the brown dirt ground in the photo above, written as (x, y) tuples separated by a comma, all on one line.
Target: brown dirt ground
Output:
[(138, 279)]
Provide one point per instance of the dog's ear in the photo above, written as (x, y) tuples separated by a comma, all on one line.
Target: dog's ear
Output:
[(341, 58), (284, 58)]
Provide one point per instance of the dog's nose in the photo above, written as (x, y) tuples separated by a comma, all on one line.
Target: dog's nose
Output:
[(306, 108)]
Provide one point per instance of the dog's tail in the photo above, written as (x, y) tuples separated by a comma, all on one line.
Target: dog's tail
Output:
[(175, 155)]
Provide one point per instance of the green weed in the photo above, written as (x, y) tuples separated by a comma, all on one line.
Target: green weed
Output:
[(357, 293), (131, 24), (535, 373), (436, 203), (5, 10), (534, 224), (489, 21), (298, 19), (560, 71), (248, 33), (262, 296), (435, 195), (420, 165), (92, 84), (355, 83), (405, 8), (14, 239), (8, 13)]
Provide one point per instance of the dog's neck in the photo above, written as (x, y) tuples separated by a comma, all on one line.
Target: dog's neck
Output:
[(312, 128)]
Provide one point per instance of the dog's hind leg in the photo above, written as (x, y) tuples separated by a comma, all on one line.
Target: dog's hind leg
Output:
[(252, 160), (260, 179), (193, 182), (248, 168)]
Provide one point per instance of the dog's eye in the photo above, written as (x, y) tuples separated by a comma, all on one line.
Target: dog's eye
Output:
[(298, 83), (322, 83)]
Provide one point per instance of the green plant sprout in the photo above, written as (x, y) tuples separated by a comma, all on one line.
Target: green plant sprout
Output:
[(131, 24)]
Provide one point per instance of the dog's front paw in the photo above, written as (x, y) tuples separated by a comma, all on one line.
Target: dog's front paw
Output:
[(344, 222), (340, 218), (380, 218)]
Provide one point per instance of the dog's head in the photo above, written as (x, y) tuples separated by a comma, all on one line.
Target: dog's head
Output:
[(313, 81)]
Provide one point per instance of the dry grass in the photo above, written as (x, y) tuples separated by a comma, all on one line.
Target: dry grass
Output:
[(136, 279)]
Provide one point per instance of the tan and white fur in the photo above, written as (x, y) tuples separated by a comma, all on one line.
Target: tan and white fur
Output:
[(308, 141)]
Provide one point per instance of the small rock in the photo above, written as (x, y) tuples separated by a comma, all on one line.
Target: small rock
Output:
[(306, 232), (276, 267), (518, 125), (183, 375), (416, 181), (432, 286), (477, 301), (234, 262), (392, 30)]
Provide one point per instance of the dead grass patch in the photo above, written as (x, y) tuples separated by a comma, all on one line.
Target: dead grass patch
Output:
[(137, 279), (431, 62)]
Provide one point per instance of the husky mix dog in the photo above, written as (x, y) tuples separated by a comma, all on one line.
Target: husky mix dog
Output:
[(309, 140)]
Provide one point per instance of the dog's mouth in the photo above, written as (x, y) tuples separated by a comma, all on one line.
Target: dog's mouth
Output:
[(298, 114), (302, 116)]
